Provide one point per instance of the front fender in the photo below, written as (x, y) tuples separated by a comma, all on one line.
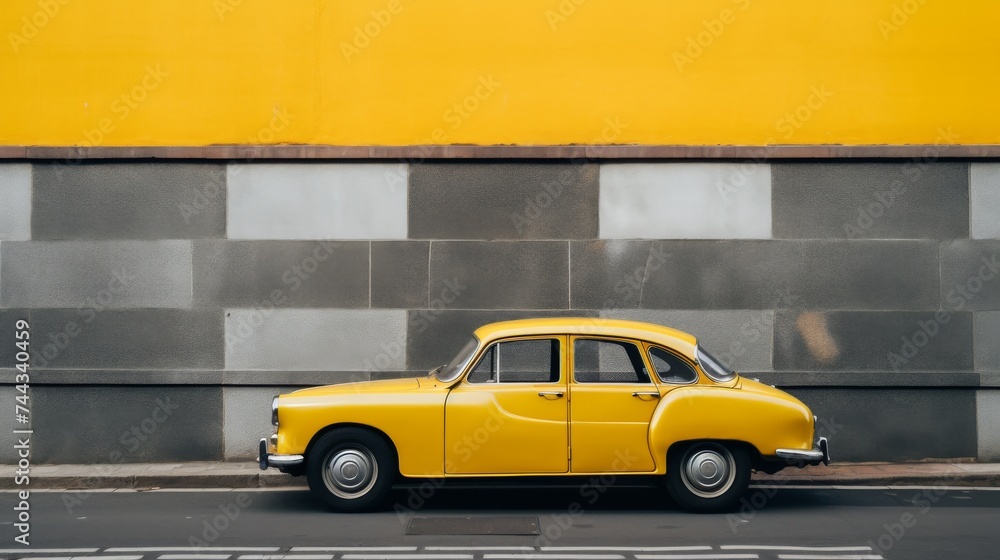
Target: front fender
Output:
[(414, 422), (764, 417)]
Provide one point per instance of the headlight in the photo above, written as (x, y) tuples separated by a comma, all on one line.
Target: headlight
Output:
[(274, 411)]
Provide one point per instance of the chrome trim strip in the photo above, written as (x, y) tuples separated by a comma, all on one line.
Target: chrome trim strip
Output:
[(274, 411), (284, 460), (816, 455), (806, 454), (266, 459)]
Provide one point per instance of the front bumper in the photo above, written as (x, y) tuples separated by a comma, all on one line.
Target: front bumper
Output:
[(818, 454), (268, 459)]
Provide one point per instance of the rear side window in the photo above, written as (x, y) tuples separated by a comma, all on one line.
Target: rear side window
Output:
[(608, 361), (518, 361), (670, 368)]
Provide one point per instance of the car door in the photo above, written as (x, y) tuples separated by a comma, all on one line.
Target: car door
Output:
[(612, 398), (509, 414)]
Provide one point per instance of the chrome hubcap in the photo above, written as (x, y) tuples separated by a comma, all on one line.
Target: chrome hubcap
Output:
[(709, 471), (350, 473)]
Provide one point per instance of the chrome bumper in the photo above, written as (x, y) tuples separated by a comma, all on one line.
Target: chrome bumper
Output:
[(268, 459), (814, 456)]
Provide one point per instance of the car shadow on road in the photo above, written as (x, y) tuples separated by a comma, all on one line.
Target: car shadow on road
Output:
[(435, 497)]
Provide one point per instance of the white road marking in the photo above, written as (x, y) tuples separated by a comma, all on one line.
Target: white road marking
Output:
[(795, 548), (286, 557), (106, 557), (46, 550), (204, 549), (553, 556), (792, 486), (194, 556), (407, 557), (626, 548), (696, 556), (354, 549), (496, 548), (830, 556)]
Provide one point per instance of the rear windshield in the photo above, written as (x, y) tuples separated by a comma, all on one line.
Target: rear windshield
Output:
[(714, 368)]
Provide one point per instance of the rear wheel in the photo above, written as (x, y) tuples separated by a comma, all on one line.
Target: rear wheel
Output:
[(351, 469), (708, 476)]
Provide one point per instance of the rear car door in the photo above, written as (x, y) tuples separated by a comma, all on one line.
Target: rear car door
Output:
[(613, 397)]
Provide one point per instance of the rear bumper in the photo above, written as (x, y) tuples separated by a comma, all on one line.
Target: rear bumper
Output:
[(268, 459), (818, 454)]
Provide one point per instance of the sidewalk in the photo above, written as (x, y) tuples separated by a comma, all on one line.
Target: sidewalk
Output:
[(248, 475)]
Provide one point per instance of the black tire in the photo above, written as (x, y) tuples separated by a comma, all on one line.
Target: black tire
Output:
[(336, 467), (719, 486)]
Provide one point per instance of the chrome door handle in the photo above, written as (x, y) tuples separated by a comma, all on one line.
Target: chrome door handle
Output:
[(547, 394), (640, 394)]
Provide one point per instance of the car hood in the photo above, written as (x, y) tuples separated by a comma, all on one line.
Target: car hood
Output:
[(381, 386)]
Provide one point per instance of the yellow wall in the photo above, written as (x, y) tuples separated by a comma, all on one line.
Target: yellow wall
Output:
[(198, 72)]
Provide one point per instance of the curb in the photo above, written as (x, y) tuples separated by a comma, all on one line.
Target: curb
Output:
[(247, 475)]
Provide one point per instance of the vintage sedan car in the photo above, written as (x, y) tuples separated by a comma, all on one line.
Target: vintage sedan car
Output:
[(548, 397)]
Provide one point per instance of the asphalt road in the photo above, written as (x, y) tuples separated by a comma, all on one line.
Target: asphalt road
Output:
[(594, 523)]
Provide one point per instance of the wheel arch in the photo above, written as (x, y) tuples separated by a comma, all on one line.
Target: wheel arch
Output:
[(339, 425), (757, 460)]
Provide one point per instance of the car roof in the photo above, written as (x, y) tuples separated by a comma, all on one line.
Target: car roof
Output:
[(596, 326)]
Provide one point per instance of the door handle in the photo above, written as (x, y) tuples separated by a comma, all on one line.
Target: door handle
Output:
[(547, 394), (640, 394)]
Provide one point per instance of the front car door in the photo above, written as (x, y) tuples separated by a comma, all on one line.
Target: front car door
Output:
[(509, 414)]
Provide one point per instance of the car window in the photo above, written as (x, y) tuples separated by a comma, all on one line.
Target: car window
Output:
[(608, 361), (518, 361), (670, 368), (450, 372), (714, 367)]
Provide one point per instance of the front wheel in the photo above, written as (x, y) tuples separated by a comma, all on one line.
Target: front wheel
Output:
[(708, 476), (351, 469)]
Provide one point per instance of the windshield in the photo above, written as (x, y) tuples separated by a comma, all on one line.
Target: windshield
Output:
[(450, 372), (714, 368)]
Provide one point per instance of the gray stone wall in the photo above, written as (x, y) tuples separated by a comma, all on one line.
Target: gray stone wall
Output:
[(169, 301)]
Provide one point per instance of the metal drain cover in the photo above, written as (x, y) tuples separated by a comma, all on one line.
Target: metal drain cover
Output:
[(473, 526)]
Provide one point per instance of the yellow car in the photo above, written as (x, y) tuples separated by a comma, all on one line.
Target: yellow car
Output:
[(548, 397)]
